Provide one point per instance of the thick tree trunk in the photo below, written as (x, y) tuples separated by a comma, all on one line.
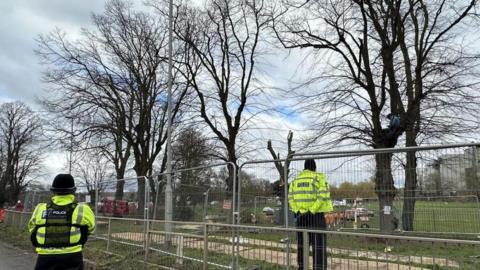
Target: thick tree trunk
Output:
[(141, 170), (408, 213), (233, 173), (385, 189), (159, 208), (141, 197), (119, 187), (118, 192)]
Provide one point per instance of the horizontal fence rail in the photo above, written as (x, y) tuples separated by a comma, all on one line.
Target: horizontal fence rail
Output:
[(435, 222), (201, 245)]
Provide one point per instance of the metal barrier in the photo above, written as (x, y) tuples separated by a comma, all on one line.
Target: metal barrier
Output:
[(459, 215), (17, 219), (438, 170), (255, 229), (201, 245), (199, 194)]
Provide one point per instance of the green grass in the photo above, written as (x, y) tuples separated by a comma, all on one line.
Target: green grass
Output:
[(130, 257), (468, 256), (430, 216)]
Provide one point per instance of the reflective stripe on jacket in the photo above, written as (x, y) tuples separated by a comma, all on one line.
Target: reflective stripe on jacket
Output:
[(309, 192), (82, 215)]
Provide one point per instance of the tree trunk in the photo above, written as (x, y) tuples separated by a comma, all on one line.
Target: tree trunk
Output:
[(119, 187), (233, 173), (141, 197), (385, 189), (408, 213), (2, 194), (118, 192), (141, 170)]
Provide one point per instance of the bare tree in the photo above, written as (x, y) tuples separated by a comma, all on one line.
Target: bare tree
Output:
[(93, 169), (278, 164), (408, 58), (115, 76), (279, 186), (191, 150), (223, 43), (20, 154)]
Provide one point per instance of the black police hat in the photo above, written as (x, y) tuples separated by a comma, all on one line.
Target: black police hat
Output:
[(310, 165), (63, 184)]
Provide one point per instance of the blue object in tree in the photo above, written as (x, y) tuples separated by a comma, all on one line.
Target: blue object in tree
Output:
[(394, 121)]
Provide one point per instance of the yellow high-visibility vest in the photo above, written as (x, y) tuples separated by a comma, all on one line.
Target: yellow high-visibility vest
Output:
[(309, 192), (81, 217)]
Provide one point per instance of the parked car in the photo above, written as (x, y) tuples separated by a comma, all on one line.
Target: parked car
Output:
[(360, 212), (339, 202)]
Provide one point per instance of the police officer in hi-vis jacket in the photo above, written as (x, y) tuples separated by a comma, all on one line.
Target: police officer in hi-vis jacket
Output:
[(309, 199), (60, 228)]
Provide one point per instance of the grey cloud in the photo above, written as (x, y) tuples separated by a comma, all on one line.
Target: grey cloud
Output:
[(21, 22)]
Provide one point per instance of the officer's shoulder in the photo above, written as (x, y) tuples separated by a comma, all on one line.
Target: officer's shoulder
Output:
[(41, 204), (83, 204)]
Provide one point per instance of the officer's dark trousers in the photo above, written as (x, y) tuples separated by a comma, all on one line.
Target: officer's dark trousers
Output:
[(318, 241), (72, 261)]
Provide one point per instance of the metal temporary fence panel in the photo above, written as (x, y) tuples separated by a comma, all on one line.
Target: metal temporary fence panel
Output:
[(259, 249), (122, 208), (208, 247), (31, 198), (123, 197), (199, 194), (191, 245), (433, 214), (446, 196), (260, 197)]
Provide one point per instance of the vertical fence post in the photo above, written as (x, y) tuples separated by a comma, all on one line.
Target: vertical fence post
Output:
[(475, 171), (285, 211), (434, 223), (109, 230), (306, 250), (205, 246), (147, 246), (96, 207), (180, 242), (476, 182), (235, 215), (34, 201), (20, 223), (14, 214), (146, 234), (205, 204)]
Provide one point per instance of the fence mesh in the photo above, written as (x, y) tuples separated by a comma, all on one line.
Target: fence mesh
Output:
[(124, 198), (198, 194), (444, 194), (428, 191)]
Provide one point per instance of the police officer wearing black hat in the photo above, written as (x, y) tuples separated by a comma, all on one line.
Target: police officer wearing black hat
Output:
[(61, 227)]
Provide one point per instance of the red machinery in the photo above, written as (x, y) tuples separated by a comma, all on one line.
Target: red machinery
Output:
[(2, 214), (107, 207)]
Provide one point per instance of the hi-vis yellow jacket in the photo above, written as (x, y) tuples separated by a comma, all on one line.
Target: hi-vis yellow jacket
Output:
[(309, 192), (82, 219)]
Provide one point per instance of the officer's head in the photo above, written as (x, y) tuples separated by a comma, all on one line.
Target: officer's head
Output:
[(63, 184), (310, 165), (389, 116)]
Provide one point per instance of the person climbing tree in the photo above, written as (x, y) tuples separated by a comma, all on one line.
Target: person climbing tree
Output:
[(389, 133)]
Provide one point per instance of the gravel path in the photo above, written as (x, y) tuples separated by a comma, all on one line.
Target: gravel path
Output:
[(12, 258)]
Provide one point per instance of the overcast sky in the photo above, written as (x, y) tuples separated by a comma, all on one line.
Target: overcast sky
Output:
[(22, 21)]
